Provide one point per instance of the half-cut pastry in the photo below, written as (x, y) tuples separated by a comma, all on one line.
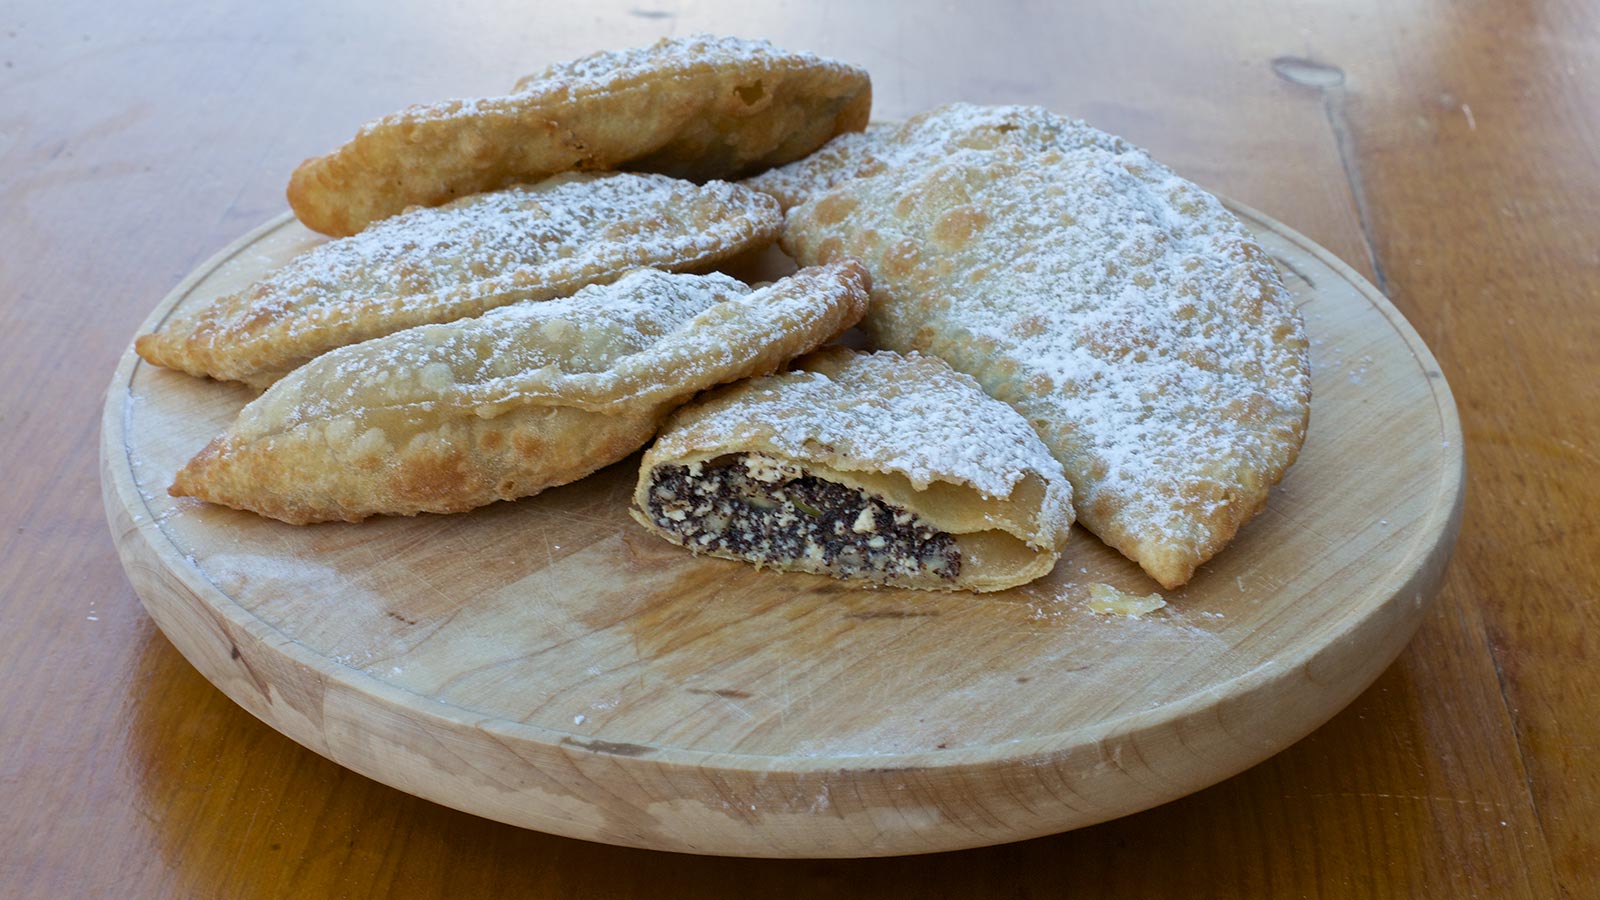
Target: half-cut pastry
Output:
[(464, 259), (444, 418), (880, 468), (699, 107), (1129, 317)]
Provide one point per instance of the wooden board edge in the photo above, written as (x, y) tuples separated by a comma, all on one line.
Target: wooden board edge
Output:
[(1236, 705)]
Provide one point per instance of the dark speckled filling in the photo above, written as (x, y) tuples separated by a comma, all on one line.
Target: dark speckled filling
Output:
[(763, 510)]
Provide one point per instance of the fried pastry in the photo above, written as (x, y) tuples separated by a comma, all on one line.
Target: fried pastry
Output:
[(1129, 317), (463, 259), (444, 418), (851, 155), (880, 469), (700, 108), (924, 139)]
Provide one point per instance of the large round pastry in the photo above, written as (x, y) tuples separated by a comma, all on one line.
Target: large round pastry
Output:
[(1129, 317)]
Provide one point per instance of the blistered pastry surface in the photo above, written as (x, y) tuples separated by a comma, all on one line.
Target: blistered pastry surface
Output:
[(904, 432), (881, 412), (1122, 310), (698, 107), (447, 417), (441, 264)]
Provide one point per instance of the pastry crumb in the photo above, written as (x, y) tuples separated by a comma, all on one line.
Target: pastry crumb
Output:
[(1106, 600)]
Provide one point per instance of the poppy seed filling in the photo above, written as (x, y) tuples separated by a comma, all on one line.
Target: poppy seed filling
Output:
[(768, 511)]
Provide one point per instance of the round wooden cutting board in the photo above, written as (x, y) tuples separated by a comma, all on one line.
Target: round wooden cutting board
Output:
[(549, 664)]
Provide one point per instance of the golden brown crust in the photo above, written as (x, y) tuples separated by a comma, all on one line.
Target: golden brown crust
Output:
[(1127, 315), (436, 265), (444, 418), (697, 108), (854, 154), (462, 464), (907, 430)]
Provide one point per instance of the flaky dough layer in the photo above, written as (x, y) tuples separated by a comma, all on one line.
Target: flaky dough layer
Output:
[(444, 418), (699, 108), (438, 265), (906, 430), (1129, 317)]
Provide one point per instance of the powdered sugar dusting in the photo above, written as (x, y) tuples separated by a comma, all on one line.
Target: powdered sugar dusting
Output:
[(598, 70), (911, 415), (699, 108), (850, 155), (1119, 308), (490, 236), (602, 72), (651, 337), (440, 264), (925, 139), (444, 418), (496, 356)]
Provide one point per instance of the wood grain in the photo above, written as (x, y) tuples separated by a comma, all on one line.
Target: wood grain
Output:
[(548, 664), (138, 138)]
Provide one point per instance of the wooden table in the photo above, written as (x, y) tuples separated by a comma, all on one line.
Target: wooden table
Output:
[(1451, 154)]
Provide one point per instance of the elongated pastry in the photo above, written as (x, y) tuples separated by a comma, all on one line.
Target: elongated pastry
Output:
[(444, 418), (464, 259), (880, 468), (1122, 310), (699, 108)]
